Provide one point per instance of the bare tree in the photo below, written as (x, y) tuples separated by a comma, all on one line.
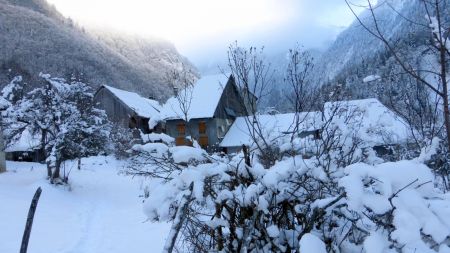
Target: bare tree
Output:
[(436, 80), (182, 83), (253, 75)]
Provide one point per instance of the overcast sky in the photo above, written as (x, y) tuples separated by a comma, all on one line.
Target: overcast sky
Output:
[(201, 29)]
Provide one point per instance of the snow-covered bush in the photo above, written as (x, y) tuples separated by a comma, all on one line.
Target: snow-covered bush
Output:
[(224, 204), (121, 140), (342, 199)]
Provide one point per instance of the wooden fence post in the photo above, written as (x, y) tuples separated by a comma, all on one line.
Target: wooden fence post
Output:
[(29, 224)]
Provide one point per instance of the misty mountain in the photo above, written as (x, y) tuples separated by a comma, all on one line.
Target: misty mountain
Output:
[(36, 38), (357, 54)]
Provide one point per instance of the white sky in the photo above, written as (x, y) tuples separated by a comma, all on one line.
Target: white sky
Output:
[(201, 27)]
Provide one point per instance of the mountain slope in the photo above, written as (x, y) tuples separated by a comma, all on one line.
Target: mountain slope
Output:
[(35, 38), (357, 52)]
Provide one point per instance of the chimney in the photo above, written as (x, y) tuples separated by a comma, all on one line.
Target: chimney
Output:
[(175, 91)]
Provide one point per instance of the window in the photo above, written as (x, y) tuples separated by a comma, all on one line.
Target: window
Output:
[(181, 128), (133, 123), (202, 127)]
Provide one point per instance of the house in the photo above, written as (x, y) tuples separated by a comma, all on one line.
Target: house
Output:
[(367, 120), (127, 109), (26, 148), (204, 112), (273, 126)]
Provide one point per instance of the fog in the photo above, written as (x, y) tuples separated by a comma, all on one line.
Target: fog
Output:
[(202, 29)]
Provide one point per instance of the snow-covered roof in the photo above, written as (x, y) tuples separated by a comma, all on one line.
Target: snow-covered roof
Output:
[(272, 126), (26, 142), (143, 107), (369, 120), (201, 99), (366, 119)]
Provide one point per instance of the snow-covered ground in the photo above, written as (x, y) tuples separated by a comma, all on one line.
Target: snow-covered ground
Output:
[(101, 212)]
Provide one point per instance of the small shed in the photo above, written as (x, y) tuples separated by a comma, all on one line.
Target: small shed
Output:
[(25, 149), (127, 109), (213, 102)]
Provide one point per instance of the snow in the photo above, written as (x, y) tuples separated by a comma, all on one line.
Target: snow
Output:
[(369, 120), (407, 186), (184, 154), (272, 126), (273, 231), (311, 243), (366, 119), (101, 212), (371, 78), (26, 142), (202, 99), (154, 137), (158, 149), (375, 243), (143, 107)]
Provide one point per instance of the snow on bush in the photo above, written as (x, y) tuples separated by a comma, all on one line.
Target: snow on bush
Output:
[(389, 205), (157, 137), (371, 78), (311, 243), (272, 199), (184, 154)]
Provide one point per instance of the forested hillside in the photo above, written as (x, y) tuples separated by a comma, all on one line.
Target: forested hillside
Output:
[(357, 54), (36, 38)]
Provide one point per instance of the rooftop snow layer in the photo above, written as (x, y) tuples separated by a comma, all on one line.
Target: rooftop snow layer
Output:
[(201, 99), (272, 126), (26, 142), (368, 119), (143, 107)]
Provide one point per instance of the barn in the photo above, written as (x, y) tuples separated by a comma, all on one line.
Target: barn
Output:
[(128, 109)]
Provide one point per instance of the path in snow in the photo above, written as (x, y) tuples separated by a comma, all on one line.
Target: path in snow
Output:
[(101, 213)]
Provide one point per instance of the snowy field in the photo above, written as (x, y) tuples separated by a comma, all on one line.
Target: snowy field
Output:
[(101, 212)]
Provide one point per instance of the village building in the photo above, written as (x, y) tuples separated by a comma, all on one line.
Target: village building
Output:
[(367, 120), (272, 127), (26, 148), (204, 112), (128, 109)]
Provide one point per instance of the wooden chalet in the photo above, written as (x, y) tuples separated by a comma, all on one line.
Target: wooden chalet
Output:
[(214, 103), (127, 109)]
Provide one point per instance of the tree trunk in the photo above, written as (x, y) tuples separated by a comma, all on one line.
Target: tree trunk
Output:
[(29, 223), (56, 172), (246, 155), (43, 138), (2, 153), (445, 91)]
